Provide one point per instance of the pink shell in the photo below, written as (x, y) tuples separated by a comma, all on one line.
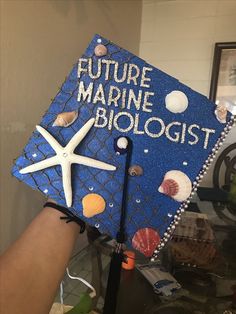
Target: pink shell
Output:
[(100, 50), (145, 241), (169, 187)]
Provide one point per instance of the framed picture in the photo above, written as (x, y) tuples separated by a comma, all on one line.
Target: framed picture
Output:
[(223, 80)]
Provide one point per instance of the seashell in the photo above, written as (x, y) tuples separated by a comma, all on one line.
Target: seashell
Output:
[(100, 50), (135, 171), (177, 185), (169, 187), (121, 144), (93, 204), (176, 101), (145, 241), (65, 119), (221, 113)]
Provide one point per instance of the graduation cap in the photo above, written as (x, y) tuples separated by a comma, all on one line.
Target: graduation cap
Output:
[(80, 153)]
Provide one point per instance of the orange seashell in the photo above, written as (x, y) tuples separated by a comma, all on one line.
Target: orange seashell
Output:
[(169, 187), (100, 50), (93, 204), (145, 241)]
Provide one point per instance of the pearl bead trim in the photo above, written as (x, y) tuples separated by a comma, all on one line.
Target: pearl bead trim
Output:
[(184, 205)]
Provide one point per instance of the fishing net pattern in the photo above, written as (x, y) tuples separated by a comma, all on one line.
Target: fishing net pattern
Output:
[(99, 145), (145, 207)]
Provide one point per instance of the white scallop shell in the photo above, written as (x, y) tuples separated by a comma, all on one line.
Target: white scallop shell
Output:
[(65, 119), (184, 184), (176, 101)]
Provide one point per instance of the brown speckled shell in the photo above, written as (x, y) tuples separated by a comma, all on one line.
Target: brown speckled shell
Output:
[(135, 170), (100, 50)]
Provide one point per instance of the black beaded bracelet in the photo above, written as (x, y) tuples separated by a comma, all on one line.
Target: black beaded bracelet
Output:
[(69, 216)]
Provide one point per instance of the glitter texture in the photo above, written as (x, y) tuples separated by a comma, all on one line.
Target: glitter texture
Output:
[(195, 136)]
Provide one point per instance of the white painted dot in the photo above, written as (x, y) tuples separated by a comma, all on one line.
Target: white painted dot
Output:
[(97, 225), (34, 155), (185, 163), (99, 40), (145, 151), (91, 188), (138, 200), (111, 204), (45, 191)]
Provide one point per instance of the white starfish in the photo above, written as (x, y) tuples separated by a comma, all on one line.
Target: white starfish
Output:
[(65, 157)]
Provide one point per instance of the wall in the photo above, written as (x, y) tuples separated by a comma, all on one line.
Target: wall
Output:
[(40, 41), (179, 37)]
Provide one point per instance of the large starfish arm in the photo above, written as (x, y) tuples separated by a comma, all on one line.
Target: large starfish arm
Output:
[(49, 138), (90, 162), (41, 165), (66, 181), (78, 137)]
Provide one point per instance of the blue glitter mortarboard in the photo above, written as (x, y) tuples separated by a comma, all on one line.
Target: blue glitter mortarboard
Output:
[(175, 132)]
